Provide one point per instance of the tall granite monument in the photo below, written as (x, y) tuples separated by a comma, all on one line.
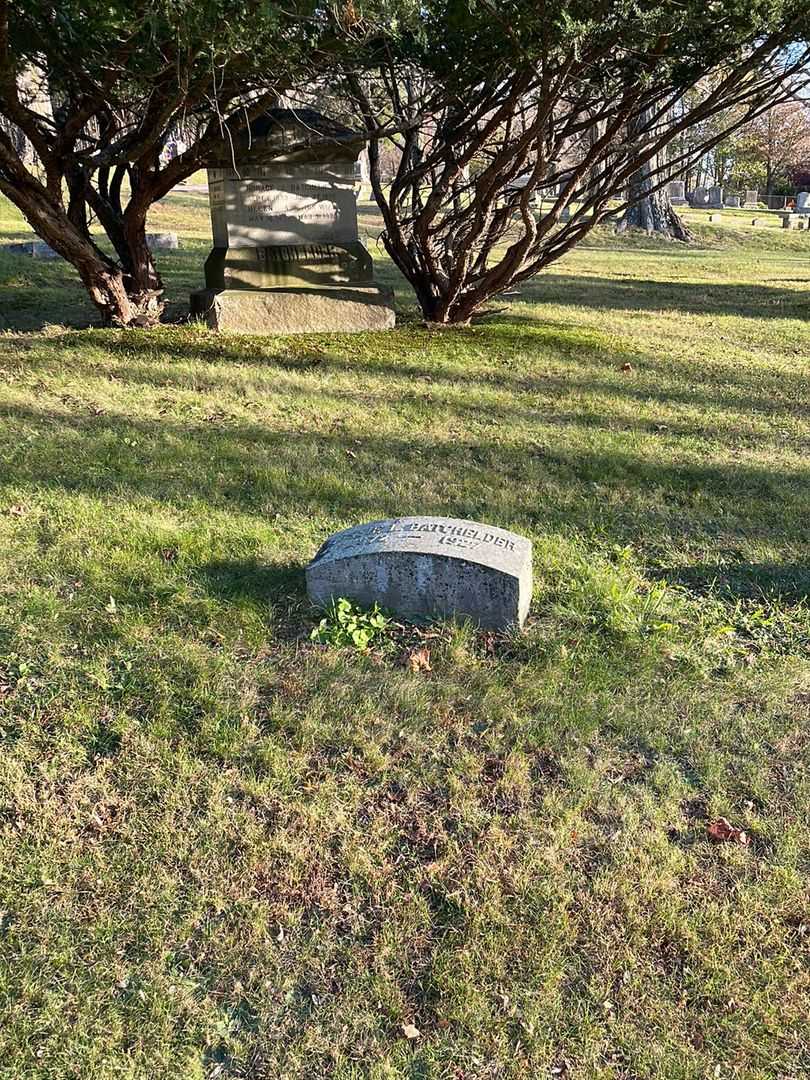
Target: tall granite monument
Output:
[(287, 257)]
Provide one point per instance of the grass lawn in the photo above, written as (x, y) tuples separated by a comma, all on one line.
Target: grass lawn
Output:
[(226, 852)]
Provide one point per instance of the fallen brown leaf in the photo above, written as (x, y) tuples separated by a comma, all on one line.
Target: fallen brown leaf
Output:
[(410, 1031), (722, 831), (419, 660), (17, 510), (627, 367)]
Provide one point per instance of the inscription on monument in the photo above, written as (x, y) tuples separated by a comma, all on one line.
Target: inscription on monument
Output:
[(467, 537), (250, 212)]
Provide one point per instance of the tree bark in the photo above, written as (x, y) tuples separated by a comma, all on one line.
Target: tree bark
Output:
[(650, 210), (655, 214), (69, 238)]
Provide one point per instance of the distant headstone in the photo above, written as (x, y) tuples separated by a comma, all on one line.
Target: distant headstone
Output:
[(37, 249), (162, 241), (424, 567), (803, 202), (751, 198), (733, 202), (699, 197), (287, 256), (715, 218), (715, 198), (757, 221), (677, 193)]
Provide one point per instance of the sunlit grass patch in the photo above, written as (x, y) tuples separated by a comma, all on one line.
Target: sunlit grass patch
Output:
[(227, 850)]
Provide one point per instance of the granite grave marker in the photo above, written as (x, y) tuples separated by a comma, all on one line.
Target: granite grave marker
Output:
[(423, 567)]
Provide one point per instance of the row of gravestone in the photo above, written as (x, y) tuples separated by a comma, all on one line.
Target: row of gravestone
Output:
[(713, 198), (287, 255), (38, 249)]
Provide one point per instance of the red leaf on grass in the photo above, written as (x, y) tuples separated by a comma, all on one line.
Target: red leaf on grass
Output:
[(722, 831)]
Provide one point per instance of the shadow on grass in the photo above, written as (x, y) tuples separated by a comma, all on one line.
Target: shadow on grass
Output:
[(635, 294), (789, 582), (330, 476), (258, 582), (38, 293), (35, 293), (586, 366)]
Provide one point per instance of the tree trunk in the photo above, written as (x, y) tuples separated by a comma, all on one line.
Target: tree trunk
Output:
[(126, 230), (140, 273), (99, 274), (655, 214), (651, 210)]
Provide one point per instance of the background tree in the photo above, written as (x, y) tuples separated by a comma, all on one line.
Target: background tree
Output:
[(649, 206), (779, 141), (122, 77), (508, 98)]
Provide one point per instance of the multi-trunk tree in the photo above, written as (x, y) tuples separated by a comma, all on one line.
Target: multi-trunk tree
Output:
[(523, 126), (99, 88)]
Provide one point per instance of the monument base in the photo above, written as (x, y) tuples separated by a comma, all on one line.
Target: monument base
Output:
[(336, 309)]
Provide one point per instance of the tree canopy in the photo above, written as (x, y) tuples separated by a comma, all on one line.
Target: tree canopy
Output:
[(493, 107), (491, 104)]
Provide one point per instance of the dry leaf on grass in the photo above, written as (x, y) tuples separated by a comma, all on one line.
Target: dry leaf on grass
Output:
[(419, 660), (722, 831), (17, 510), (410, 1031)]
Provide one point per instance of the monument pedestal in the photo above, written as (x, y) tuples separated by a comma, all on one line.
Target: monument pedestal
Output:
[(339, 309)]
